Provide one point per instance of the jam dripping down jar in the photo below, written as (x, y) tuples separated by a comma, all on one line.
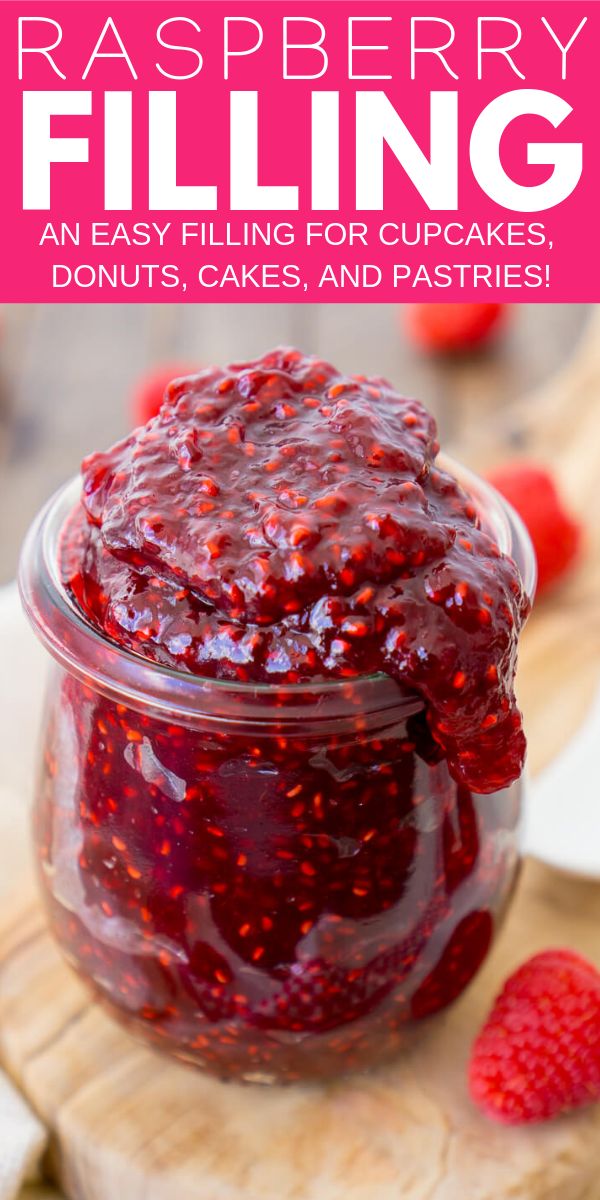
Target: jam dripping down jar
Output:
[(274, 883)]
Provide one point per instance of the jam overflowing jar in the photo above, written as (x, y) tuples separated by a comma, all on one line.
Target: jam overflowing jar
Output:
[(272, 872)]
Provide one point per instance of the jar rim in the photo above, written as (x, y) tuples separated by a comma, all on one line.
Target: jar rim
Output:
[(123, 675)]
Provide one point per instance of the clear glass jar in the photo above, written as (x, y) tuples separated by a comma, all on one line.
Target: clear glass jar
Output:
[(272, 883)]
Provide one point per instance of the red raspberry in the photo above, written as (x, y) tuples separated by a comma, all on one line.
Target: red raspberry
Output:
[(556, 536), (538, 1055), (150, 388), (451, 328)]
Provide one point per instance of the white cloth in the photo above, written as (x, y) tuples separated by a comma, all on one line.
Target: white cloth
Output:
[(22, 1141), (22, 671)]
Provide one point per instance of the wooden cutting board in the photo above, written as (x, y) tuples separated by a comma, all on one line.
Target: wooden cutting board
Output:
[(127, 1123)]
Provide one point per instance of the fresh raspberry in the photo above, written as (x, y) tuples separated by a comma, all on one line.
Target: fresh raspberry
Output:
[(451, 328), (556, 536), (279, 519), (150, 389), (538, 1055)]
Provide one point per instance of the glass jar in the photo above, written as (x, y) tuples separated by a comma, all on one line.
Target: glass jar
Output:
[(274, 883)]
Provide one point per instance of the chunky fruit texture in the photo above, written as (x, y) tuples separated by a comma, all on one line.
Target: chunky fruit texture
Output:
[(149, 392), (538, 1054), (282, 900), (272, 907), (280, 522)]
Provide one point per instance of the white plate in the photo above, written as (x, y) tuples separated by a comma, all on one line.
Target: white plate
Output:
[(562, 808)]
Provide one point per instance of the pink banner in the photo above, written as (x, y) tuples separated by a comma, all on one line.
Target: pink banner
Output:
[(157, 150)]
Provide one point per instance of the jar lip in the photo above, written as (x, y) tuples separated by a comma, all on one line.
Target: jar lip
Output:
[(85, 652)]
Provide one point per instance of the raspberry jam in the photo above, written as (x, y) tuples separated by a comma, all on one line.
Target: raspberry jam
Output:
[(276, 819)]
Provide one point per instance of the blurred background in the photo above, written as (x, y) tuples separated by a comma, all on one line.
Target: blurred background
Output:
[(68, 373)]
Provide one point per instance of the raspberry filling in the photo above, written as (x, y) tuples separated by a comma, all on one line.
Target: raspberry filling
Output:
[(278, 523), (281, 898)]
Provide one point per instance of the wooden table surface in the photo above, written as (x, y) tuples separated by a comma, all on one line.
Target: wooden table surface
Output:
[(66, 373)]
